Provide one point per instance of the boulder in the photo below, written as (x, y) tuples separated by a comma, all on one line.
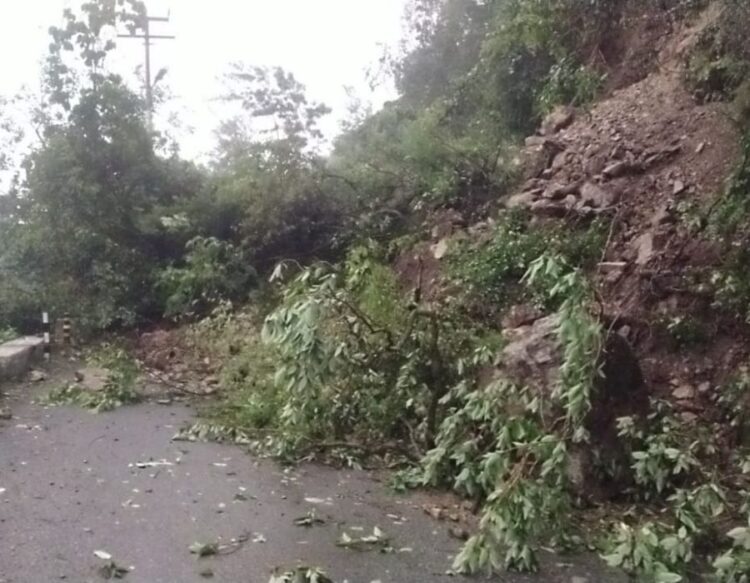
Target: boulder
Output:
[(533, 357), (522, 200), (559, 119), (538, 157), (558, 190), (92, 378), (547, 208), (596, 196)]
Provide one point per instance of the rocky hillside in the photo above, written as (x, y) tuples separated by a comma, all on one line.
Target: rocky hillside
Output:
[(651, 162)]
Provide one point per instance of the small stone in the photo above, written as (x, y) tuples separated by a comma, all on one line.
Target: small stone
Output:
[(645, 247), (440, 249), (436, 512), (617, 169), (678, 187), (704, 388), (683, 393), (688, 417), (37, 376), (570, 201), (459, 533), (548, 208), (525, 199), (521, 315), (535, 141), (579, 580), (700, 148), (557, 190), (661, 216)]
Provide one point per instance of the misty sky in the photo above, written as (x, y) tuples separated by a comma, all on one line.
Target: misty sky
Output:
[(327, 44)]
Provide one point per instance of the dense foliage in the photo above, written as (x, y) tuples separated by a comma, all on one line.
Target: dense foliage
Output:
[(344, 355)]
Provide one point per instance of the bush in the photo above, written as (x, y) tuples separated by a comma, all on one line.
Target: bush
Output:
[(356, 361), (118, 390), (720, 61), (569, 83), (214, 271), (493, 271), (7, 334), (250, 399)]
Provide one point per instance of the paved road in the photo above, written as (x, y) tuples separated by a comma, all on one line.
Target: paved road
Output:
[(68, 487)]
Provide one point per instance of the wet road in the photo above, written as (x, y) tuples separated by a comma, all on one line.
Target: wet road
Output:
[(70, 485)]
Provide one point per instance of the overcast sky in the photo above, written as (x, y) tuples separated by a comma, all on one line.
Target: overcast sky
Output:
[(327, 44)]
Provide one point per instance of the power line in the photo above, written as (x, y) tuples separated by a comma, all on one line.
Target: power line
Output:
[(147, 38)]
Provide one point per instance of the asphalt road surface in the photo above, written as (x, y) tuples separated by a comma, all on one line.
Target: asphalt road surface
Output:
[(73, 483)]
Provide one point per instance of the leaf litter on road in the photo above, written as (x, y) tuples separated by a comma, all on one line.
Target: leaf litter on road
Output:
[(378, 540), (110, 570), (209, 549), (310, 519), (301, 575)]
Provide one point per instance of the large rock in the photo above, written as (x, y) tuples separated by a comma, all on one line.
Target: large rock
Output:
[(93, 379), (559, 119), (533, 357), (17, 356), (537, 156), (597, 196)]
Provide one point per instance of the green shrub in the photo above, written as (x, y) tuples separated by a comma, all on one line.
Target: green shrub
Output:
[(729, 220), (250, 400), (720, 61), (569, 83), (686, 331), (493, 271), (119, 388), (214, 271), (7, 334), (500, 446)]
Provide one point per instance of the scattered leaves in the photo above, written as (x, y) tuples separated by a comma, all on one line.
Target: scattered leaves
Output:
[(308, 520)]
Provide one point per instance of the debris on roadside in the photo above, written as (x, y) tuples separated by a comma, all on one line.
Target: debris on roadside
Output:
[(301, 575), (308, 520), (210, 549), (37, 376), (204, 549), (110, 570), (213, 433), (150, 464), (378, 540)]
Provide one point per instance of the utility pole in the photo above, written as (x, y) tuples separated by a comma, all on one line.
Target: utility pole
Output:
[(147, 37)]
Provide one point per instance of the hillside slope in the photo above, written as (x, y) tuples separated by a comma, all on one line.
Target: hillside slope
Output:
[(644, 157)]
